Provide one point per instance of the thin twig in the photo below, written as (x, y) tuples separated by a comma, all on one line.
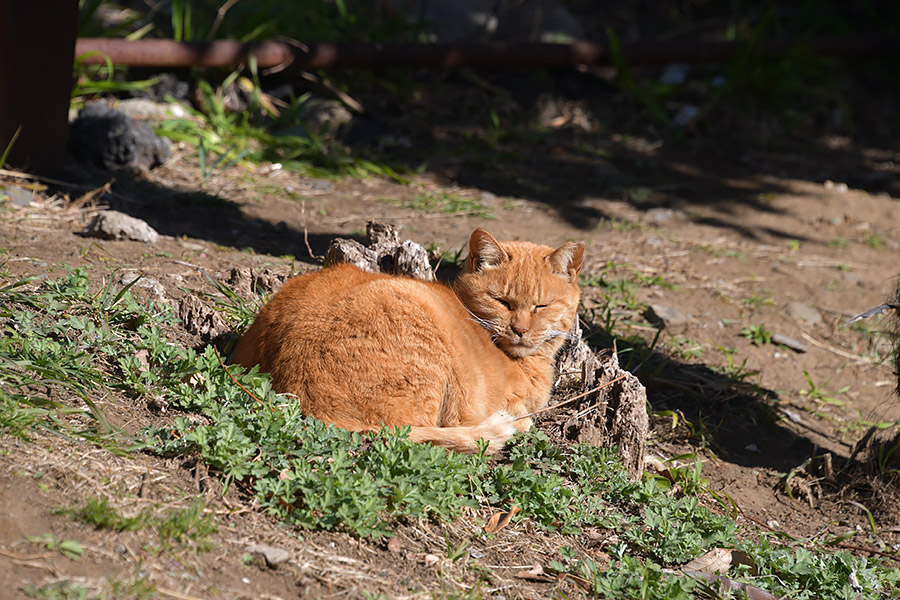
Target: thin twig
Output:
[(20, 175), (573, 398), (312, 254), (832, 349), (238, 383)]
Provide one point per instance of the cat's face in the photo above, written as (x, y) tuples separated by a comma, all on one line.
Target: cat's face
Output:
[(524, 294)]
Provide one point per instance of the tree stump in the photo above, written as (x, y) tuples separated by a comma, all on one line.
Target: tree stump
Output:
[(383, 253), (613, 415)]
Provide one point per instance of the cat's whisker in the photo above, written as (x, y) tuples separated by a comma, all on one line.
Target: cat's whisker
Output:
[(489, 325)]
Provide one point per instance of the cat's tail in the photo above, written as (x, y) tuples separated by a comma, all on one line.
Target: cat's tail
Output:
[(496, 429)]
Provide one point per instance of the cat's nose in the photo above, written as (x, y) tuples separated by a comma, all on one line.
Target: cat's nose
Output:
[(520, 329)]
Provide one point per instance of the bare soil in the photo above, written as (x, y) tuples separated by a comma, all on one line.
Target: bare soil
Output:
[(728, 230)]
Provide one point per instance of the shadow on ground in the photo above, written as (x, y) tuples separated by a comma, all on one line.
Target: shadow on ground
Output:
[(571, 140), (721, 407)]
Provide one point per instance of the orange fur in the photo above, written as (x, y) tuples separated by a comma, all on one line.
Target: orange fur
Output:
[(459, 363)]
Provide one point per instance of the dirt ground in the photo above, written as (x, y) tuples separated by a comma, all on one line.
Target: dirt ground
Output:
[(731, 232)]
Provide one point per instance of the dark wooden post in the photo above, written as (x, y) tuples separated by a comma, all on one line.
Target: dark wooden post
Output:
[(37, 50)]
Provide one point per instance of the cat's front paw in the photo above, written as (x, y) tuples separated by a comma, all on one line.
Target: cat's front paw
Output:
[(523, 424), (496, 429)]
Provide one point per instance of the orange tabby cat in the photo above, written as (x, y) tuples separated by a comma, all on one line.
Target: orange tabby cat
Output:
[(459, 363)]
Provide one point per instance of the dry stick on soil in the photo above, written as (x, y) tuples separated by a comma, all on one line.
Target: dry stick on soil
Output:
[(573, 398), (834, 350), (312, 254), (251, 394)]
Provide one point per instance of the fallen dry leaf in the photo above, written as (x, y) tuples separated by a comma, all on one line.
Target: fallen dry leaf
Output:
[(394, 545), (739, 557), (501, 519), (716, 560)]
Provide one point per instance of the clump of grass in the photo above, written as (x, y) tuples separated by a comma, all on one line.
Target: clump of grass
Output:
[(175, 527), (191, 526), (446, 203), (101, 515), (819, 392), (59, 590), (255, 135)]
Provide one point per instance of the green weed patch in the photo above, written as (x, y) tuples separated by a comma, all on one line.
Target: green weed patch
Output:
[(305, 473)]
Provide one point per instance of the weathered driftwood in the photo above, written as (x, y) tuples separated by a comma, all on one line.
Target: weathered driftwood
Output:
[(613, 416), (383, 253)]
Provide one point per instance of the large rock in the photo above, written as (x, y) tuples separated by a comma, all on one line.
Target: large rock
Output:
[(111, 140), (113, 225)]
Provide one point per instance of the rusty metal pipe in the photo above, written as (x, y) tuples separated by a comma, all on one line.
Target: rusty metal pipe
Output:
[(229, 54)]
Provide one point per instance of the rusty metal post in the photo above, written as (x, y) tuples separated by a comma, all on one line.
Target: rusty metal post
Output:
[(37, 50)]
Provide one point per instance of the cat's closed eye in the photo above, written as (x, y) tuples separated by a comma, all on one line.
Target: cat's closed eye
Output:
[(505, 303)]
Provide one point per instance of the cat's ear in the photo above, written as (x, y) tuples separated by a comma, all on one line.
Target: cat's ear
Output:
[(567, 260), (484, 252)]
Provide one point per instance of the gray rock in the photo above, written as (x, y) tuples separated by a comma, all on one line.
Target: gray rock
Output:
[(110, 139), (804, 312), (664, 215), (664, 316), (113, 225), (17, 196), (152, 286), (325, 116), (789, 342), (273, 556)]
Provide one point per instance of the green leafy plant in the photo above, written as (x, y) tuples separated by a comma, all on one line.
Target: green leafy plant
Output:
[(71, 549), (758, 334)]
